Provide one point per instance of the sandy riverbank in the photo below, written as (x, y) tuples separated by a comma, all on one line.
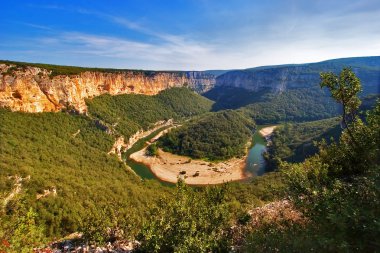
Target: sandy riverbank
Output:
[(168, 167), (267, 131)]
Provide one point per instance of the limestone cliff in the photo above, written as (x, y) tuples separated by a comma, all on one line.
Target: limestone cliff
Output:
[(35, 89), (283, 77)]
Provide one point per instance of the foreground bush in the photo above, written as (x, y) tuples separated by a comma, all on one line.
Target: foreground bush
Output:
[(190, 221)]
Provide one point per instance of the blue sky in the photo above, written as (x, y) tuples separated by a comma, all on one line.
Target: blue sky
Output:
[(188, 35)]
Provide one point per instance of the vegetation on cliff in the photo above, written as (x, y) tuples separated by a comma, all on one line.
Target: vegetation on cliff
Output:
[(215, 136)]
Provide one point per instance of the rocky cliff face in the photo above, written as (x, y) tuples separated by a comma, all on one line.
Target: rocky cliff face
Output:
[(280, 78), (34, 89), (255, 81)]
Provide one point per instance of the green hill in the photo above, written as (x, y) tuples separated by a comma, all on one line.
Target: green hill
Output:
[(293, 142), (45, 147), (215, 136), (131, 112)]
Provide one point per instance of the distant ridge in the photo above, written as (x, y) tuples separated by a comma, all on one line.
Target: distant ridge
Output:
[(288, 76)]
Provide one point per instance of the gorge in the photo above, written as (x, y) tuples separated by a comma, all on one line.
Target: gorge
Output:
[(40, 87), (66, 130)]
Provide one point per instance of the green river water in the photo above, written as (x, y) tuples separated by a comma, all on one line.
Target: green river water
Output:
[(139, 168), (255, 162)]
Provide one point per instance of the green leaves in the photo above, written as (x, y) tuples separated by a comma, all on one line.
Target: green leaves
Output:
[(344, 88), (22, 233), (152, 150), (192, 220)]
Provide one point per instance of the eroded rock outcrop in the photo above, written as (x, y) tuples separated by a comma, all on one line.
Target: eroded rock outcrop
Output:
[(18, 180), (34, 89), (47, 192), (118, 147)]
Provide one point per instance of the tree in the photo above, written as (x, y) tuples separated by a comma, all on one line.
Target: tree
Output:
[(193, 220), (152, 150), (23, 233), (344, 89)]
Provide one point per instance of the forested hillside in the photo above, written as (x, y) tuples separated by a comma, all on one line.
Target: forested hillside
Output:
[(56, 169), (216, 136), (266, 107), (130, 112), (67, 156), (293, 142), (272, 94), (64, 155)]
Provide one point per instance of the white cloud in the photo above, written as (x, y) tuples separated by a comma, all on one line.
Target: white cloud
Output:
[(174, 54), (294, 35)]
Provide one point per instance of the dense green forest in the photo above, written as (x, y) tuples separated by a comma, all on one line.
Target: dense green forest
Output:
[(67, 153), (215, 136), (293, 142), (94, 191), (293, 105), (266, 107), (131, 112)]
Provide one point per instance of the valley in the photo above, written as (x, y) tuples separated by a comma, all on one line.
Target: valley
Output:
[(99, 154), (169, 168), (189, 126)]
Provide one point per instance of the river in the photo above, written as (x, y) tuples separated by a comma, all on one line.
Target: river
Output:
[(256, 164), (139, 168)]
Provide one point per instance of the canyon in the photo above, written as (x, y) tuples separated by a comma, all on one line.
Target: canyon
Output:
[(35, 89)]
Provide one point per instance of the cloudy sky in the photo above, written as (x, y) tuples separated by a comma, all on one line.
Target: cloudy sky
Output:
[(187, 35)]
